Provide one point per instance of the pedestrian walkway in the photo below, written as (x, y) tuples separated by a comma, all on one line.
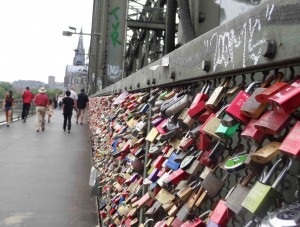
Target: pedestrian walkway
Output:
[(44, 176)]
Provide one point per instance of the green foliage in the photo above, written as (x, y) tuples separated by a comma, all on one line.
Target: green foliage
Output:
[(4, 87)]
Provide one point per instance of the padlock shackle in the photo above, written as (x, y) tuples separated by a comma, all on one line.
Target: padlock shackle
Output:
[(204, 88), (247, 179), (282, 173), (268, 81), (281, 176), (221, 111), (252, 86), (206, 213)]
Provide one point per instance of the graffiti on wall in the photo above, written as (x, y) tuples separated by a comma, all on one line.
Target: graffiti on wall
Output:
[(115, 25)]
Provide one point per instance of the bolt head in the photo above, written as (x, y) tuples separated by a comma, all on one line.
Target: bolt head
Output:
[(269, 49), (205, 65)]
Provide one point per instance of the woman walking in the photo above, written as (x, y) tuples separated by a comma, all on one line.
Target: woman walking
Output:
[(7, 106), (50, 110)]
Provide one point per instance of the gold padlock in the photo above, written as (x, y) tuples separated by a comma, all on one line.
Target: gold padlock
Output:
[(152, 135), (217, 96), (267, 153)]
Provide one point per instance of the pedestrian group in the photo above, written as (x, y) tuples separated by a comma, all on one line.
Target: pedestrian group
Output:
[(44, 106)]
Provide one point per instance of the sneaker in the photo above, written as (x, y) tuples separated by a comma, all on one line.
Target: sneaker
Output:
[(43, 129), (7, 125), (37, 130), (81, 123), (24, 120), (68, 131)]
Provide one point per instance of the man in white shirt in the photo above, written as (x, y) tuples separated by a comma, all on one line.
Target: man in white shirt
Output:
[(74, 96)]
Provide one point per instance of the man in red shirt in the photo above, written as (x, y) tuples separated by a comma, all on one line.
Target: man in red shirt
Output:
[(27, 97), (41, 101)]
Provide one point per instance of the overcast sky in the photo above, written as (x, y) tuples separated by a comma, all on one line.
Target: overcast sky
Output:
[(32, 45)]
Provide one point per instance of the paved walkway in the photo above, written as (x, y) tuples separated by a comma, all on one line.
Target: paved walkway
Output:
[(44, 176)]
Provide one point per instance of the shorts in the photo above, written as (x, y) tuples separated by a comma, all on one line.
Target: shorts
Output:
[(81, 112), (7, 108)]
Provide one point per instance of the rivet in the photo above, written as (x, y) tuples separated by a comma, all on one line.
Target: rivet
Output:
[(269, 49), (205, 65)]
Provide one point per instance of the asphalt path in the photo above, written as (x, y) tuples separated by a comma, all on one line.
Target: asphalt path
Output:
[(44, 176)]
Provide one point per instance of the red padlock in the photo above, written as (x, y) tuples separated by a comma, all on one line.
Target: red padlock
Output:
[(159, 161), (251, 133), (177, 176), (291, 143), (203, 142), (286, 100), (203, 117), (202, 96), (272, 122), (221, 214), (197, 110), (263, 97), (235, 106)]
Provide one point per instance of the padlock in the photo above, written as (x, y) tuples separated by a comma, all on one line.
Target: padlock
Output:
[(171, 164), (272, 122), (236, 197), (217, 150), (164, 196), (267, 153), (262, 196), (285, 216), (252, 108), (278, 85), (203, 117), (198, 105), (212, 123), (202, 96), (221, 215), (252, 134), (205, 160), (203, 142), (175, 177), (212, 183), (196, 221), (217, 96), (188, 160), (186, 192), (291, 143), (235, 163), (175, 104), (235, 106), (286, 100), (227, 132)]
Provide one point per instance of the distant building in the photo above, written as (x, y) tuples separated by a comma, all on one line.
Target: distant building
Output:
[(20, 85), (51, 81)]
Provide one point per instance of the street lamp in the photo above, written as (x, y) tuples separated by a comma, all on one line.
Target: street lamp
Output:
[(70, 33)]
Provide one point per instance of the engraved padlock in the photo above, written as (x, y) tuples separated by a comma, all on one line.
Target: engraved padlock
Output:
[(252, 134), (278, 85), (176, 104), (252, 108), (286, 100), (267, 153), (291, 143), (272, 122), (235, 106), (262, 196), (217, 96)]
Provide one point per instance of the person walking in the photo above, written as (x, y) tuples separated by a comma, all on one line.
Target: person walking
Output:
[(68, 106), (27, 98), (82, 103), (50, 110), (7, 106), (41, 101), (74, 96)]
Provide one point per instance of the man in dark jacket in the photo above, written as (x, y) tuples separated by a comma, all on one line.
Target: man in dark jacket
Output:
[(82, 104), (68, 106)]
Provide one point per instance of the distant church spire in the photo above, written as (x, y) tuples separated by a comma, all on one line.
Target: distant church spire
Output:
[(79, 58)]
